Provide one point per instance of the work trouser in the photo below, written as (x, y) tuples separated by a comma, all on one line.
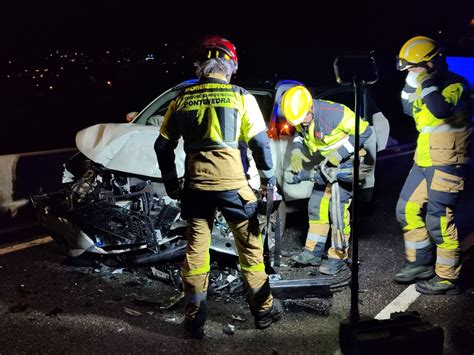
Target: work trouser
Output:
[(239, 209), (319, 211), (437, 188)]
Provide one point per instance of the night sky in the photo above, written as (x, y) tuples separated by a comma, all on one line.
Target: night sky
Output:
[(29, 26), (291, 41)]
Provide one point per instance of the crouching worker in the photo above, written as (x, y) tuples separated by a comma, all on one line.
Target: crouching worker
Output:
[(323, 146), (212, 116)]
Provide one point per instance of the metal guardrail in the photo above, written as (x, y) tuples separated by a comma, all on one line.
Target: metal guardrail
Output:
[(22, 175)]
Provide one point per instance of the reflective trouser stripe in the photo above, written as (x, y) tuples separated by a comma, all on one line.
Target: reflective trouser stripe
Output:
[(318, 212), (318, 206), (196, 265), (343, 254), (439, 225), (446, 261), (248, 241), (314, 241), (418, 244), (316, 237), (446, 236), (196, 298), (448, 265)]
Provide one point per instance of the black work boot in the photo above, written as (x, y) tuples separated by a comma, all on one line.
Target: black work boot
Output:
[(195, 327), (437, 286), (413, 272), (272, 315), (332, 266), (306, 258)]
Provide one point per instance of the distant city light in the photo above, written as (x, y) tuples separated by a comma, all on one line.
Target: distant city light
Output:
[(472, 21), (109, 83), (50, 87), (10, 62), (150, 56)]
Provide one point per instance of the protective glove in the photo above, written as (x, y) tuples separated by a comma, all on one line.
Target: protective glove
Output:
[(424, 79), (334, 158), (297, 159), (173, 189)]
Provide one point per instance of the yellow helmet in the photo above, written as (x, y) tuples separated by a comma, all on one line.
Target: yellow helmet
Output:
[(417, 51), (296, 102)]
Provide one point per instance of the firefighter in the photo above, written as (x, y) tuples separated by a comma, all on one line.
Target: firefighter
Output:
[(324, 132), (439, 102), (212, 116)]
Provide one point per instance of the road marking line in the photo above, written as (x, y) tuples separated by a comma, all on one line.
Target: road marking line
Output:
[(399, 304), (32, 243)]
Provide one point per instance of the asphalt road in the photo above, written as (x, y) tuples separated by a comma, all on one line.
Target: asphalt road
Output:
[(50, 306)]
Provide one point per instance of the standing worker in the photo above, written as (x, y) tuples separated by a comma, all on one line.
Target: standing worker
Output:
[(324, 131), (439, 101), (212, 116)]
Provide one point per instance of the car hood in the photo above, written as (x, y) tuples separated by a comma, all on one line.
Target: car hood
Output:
[(125, 147)]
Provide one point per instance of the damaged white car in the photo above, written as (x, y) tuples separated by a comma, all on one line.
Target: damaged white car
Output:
[(114, 203)]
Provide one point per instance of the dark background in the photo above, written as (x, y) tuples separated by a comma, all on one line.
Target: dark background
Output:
[(296, 41)]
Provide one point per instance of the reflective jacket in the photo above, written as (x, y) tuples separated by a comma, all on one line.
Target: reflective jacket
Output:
[(331, 130), (442, 112), (212, 116)]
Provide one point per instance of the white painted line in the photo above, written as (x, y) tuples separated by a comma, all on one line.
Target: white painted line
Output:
[(401, 303), (32, 243)]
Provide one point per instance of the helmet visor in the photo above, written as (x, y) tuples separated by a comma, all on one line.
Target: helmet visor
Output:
[(403, 64)]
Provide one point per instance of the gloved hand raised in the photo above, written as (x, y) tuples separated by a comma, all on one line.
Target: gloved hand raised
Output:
[(423, 78), (297, 159)]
